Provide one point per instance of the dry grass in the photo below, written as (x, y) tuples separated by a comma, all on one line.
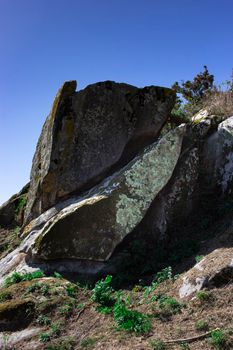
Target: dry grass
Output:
[(220, 103)]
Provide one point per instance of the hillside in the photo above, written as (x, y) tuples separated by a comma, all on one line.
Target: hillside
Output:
[(123, 239)]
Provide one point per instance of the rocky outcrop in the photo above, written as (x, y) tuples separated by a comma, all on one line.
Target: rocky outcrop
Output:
[(113, 209), (89, 135), (12, 211), (214, 270), (218, 158)]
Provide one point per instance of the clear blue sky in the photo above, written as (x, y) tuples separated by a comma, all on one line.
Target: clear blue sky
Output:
[(141, 42)]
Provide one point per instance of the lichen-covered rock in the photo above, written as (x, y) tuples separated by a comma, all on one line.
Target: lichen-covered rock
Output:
[(218, 158), (214, 270), (91, 228), (177, 199), (90, 134)]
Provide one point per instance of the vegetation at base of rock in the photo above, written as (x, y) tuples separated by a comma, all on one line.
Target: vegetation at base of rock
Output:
[(161, 276), (198, 258), (17, 277), (102, 293), (129, 320)]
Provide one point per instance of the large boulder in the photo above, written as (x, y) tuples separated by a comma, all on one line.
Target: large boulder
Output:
[(218, 158), (91, 228), (90, 134)]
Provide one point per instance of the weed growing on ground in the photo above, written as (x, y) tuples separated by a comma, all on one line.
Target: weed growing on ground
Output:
[(204, 296), (167, 306), (102, 292), (201, 325), (219, 339), (44, 337), (43, 320), (131, 320), (157, 344)]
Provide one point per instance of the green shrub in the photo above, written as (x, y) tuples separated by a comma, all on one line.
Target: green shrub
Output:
[(43, 320), (219, 339), (66, 309), (17, 277), (201, 325), (71, 290), (55, 329), (158, 344), (167, 306), (44, 337), (204, 296), (130, 320), (102, 293)]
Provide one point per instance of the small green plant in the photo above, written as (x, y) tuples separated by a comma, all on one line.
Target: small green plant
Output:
[(88, 343), (57, 275), (219, 339), (102, 293), (204, 296), (44, 337), (17, 277), (158, 344), (201, 325), (66, 309), (5, 296), (130, 320), (43, 320), (161, 276), (198, 258), (71, 290), (55, 329), (167, 306)]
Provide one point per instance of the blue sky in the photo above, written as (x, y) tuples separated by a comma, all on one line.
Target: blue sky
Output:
[(141, 42)]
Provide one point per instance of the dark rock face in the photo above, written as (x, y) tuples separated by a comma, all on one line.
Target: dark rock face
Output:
[(90, 134), (12, 211)]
